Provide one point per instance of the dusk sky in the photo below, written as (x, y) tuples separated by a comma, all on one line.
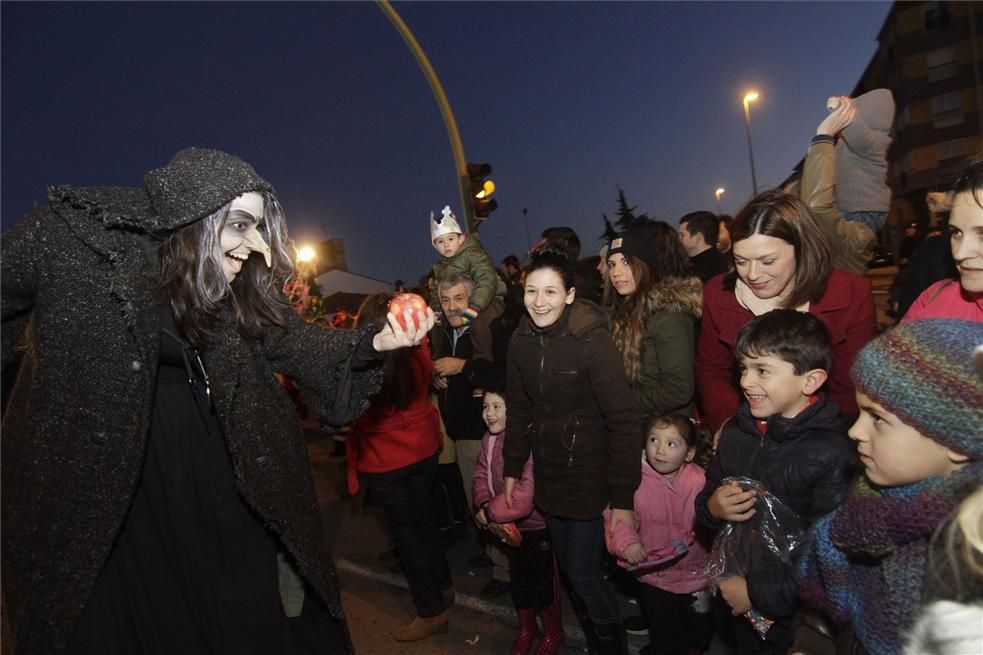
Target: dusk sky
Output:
[(565, 100)]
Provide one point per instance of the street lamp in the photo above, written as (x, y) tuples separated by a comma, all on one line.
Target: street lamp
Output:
[(717, 193), (750, 97), (306, 254)]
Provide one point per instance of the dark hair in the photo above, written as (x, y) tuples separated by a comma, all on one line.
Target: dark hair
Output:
[(546, 258), (726, 219), (194, 280), (703, 223), (564, 240), (777, 214), (511, 260), (671, 260), (496, 387), (398, 385), (694, 434), (798, 338), (971, 178)]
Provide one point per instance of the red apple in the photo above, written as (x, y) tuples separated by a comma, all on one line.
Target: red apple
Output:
[(405, 301)]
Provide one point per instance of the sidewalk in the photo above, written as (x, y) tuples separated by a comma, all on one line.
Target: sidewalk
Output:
[(358, 533)]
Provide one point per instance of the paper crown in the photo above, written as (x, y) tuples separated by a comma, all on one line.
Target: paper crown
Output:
[(446, 224)]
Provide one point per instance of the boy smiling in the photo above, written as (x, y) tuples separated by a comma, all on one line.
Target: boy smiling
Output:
[(788, 437)]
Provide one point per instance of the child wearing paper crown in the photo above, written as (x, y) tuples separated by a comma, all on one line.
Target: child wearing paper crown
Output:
[(675, 594), (920, 439), (459, 253)]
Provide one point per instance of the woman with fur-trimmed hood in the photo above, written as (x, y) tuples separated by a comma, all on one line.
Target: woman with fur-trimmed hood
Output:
[(654, 305)]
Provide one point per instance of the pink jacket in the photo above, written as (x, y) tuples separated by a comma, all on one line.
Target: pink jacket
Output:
[(488, 485), (666, 510), (946, 299)]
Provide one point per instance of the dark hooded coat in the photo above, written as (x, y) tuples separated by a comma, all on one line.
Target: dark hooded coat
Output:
[(81, 292)]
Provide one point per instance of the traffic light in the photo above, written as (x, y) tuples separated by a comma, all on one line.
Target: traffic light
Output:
[(481, 190)]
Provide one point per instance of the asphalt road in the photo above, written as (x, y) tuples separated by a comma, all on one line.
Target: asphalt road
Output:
[(375, 598)]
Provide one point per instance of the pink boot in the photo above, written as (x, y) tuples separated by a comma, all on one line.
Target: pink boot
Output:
[(553, 635), (527, 632)]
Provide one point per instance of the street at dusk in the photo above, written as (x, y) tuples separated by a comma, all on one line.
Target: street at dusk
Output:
[(487, 327)]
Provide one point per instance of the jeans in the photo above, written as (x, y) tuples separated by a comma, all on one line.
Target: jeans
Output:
[(578, 546), (405, 495), (873, 220)]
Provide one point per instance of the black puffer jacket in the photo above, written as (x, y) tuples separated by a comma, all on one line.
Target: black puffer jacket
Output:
[(569, 403), (807, 462), (81, 284)]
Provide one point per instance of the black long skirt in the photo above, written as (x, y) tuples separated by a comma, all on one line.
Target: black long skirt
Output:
[(193, 569)]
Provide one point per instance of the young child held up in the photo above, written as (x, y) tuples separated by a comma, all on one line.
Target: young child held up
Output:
[(862, 193), (461, 253), (920, 439), (790, 438), (675, 594), (532, 571)]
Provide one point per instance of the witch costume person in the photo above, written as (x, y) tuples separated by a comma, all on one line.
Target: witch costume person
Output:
[(157, 494)]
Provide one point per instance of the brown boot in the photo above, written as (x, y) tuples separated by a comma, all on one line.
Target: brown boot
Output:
[(421, 628)]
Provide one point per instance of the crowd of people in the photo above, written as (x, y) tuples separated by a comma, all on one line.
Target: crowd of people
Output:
[(668, 407)]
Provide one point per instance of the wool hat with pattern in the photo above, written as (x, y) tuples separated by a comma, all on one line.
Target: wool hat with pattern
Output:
[(637, 242), (923, 372)]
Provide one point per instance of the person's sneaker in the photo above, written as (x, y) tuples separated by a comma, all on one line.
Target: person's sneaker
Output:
[(481, 560), (636, 625), (495, 588)]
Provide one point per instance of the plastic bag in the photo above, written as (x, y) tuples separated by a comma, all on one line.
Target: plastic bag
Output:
[(775, 531)]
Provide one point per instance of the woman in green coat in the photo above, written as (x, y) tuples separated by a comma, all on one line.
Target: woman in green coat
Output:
[(654, 304)]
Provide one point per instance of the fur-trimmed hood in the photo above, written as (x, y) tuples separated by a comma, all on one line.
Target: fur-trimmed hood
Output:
[(679, 295)]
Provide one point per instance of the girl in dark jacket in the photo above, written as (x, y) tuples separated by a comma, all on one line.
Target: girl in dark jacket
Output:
[(571, 407)]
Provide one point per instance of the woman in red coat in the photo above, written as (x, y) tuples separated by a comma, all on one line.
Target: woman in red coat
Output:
[(394, 447), (782, 259)]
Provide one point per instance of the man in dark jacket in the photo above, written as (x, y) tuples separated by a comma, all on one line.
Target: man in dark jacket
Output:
[(459, 378), (151, 461), (698, 234)]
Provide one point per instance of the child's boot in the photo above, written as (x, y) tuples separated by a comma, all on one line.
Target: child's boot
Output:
[(527, 631), (553, 634), (421, 628)]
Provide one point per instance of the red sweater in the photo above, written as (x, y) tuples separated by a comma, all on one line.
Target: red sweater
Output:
[(385, 439), (846, 308)]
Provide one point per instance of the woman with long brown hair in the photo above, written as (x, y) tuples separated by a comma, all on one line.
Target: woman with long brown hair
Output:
[(394, 446), (654, 304), (782, 259)]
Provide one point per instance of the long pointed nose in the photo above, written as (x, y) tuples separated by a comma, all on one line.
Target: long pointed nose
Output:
[(254, 241)]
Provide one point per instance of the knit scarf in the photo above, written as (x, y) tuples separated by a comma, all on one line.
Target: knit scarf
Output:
[(865, 562)]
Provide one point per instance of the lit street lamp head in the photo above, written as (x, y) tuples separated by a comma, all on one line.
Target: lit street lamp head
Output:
[(750, 96)]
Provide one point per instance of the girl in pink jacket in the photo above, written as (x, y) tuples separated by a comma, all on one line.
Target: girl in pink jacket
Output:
[(664, 552), (532, 571)]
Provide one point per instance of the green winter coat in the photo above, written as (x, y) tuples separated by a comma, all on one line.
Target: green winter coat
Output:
[(473, 261)]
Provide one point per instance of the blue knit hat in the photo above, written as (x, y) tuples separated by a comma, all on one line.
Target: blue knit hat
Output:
[(923, 373)]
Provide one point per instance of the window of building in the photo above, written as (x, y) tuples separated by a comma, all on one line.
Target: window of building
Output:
[(947, 109), (951, 149), (941, 64), (936, 16), (908, 162), (904, 117)]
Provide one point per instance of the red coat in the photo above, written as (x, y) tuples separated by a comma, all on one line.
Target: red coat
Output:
[(847, 309), (385, 439)]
